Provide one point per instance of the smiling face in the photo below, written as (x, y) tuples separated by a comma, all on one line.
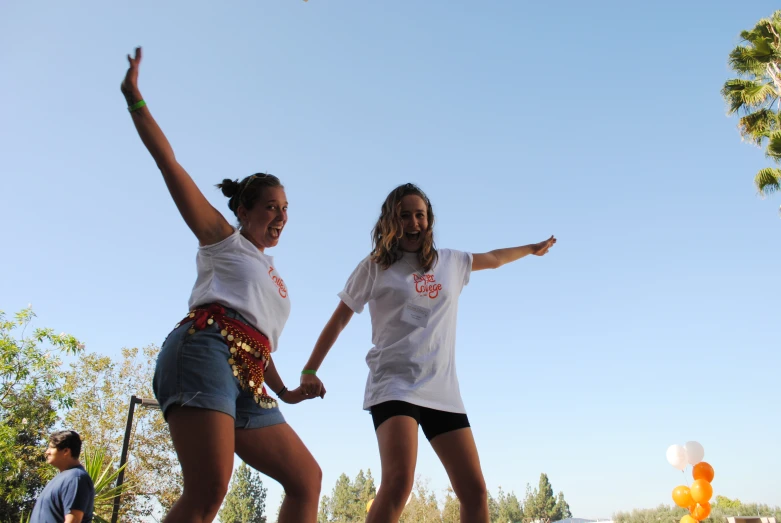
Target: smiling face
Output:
[(414, 223), (406, 223), (263, 224)]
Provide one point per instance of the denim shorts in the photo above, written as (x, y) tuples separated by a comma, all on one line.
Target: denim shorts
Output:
[(192, 370)]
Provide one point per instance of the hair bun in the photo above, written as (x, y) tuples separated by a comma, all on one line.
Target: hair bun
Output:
[(229, 188)]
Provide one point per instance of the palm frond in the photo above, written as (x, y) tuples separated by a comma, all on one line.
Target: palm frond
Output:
[(742, 59), (758, 125), (104, 478), (774, 146), (768, 181), (741, 93), (759, 94)]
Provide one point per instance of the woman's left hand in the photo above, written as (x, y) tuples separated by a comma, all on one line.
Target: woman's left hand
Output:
[(298, 395)]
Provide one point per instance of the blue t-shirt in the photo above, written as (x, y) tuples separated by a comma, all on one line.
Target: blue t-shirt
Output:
[(71, 489)]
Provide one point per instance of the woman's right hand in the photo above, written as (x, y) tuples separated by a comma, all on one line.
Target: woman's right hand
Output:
[(129, 85), (312, 385)]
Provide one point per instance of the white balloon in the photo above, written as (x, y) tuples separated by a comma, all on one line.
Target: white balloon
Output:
[(676, 456), (694, 452)]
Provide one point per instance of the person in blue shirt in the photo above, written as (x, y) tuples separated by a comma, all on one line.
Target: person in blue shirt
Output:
[(70, 496)]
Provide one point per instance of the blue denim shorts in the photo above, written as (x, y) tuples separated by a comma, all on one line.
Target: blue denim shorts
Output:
[(192, 370)]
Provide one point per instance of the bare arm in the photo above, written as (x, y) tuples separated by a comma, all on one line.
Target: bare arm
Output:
[(498, 257), (206, 222), (339, 320), (272, 378), (74, 517)]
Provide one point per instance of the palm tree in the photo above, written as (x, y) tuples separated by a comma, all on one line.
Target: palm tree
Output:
[(756, 94), (104, 478)]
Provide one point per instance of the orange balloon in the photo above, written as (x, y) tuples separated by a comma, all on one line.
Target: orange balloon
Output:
[(701, 511), (682, 496), (703, 470), (701, 491), (688, 519)]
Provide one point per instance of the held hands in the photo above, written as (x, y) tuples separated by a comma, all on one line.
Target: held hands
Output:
[(541, 249), (129, 85), (312, 386), (298, 395)]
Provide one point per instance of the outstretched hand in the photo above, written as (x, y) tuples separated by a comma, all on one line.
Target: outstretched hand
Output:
[(541, 249), (130, 83)]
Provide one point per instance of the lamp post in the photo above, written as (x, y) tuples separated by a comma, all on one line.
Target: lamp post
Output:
[(134, 400)]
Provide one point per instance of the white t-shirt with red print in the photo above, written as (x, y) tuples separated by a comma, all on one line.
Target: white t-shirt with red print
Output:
[(234, 273), (410, 362)]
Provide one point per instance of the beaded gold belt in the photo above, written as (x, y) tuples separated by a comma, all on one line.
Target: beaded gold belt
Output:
[(250, 353)]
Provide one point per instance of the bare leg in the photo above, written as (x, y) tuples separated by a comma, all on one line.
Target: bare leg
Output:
[(458, 453), (279, 453), (203, 440), (398, 441)]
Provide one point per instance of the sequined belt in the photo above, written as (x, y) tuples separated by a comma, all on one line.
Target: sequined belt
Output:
[(249, 349)]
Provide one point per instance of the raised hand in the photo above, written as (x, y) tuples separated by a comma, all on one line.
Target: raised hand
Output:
[(541, 249), (129, 85)]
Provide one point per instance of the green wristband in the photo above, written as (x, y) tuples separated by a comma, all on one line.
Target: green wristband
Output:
[(136, 106), (309, 371)]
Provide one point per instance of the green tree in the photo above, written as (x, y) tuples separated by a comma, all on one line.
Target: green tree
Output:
[(451, 510), (540, 503), (493, 508), (246, 498), (508, 508), (661, 514), (561, 510), (348, 499), (422, 506), (721, 508), (101, 388), (757, 61), (364, 490), (724, 503), (104, 477), (340, 507), (323, 513), (31, 391)]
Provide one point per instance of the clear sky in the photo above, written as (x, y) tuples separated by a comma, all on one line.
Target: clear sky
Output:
[(653, 321)]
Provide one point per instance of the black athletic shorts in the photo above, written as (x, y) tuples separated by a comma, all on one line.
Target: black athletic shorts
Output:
[(434, 422)]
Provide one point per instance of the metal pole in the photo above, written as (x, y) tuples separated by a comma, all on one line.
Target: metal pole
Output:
[(123, 458)]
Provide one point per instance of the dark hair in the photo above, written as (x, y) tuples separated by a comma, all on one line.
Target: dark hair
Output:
[(247, 192), (388, 230), (67, 439)]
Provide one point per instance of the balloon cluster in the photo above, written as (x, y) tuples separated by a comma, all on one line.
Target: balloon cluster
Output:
[(697, 497)]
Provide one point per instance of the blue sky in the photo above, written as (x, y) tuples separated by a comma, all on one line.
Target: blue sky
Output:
[(653, 321)]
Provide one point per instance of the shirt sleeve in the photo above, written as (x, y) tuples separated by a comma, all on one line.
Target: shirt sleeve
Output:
[(226, 243), (76, 494), (463, 263), (358, 289)]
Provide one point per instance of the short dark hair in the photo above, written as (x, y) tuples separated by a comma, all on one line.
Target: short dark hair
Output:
[(67, 439)]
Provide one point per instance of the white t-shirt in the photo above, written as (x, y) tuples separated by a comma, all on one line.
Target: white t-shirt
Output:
[(409, 362), (234, 273)]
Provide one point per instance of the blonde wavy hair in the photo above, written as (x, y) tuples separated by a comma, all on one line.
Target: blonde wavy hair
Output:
[(388, 230)]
